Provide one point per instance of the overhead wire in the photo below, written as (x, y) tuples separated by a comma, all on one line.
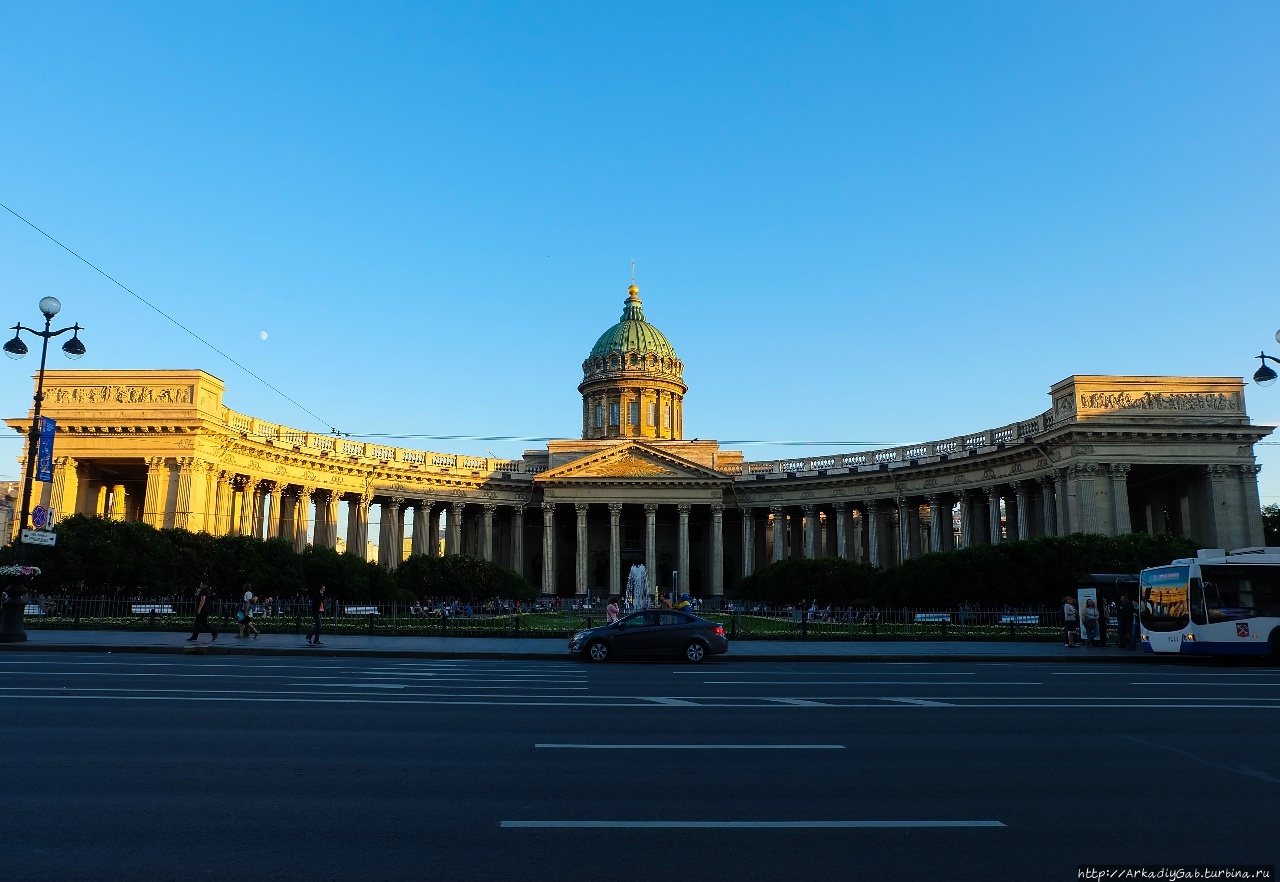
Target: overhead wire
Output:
[(144, 301)]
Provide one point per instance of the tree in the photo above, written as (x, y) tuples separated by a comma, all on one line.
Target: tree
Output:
[(824, 581), (1271, 526), (460, 576)]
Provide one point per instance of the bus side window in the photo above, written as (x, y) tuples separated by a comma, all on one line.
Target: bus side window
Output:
[(1199, 614)]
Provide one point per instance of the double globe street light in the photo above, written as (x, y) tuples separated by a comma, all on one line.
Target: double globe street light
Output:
[(1265, 375), (11, 625)]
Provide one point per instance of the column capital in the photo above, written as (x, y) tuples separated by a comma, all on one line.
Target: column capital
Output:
[(651, 508), (808, 509), (1046, 481), (1120, 469), (490, 508), (717, 509), (457, 506), (397, 501), (873, 505), (683, 508), (548, 508), (154, 463), (777, 510), (934, 499), (1020, 485), (1250, 471), (581, 508), (993, 493), (615, 509), (1084, 469)]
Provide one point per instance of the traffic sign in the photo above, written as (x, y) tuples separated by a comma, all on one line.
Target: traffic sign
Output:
[(39, 537), (39, 517)]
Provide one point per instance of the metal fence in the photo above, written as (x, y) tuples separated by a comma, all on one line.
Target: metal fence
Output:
[(743, 621)]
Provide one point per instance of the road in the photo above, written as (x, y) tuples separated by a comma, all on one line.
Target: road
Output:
[(165, 767)]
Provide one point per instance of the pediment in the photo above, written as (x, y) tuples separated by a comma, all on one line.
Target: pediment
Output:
[(631, 460)]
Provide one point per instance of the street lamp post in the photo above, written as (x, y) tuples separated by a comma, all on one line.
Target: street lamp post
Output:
[(11, 625), (1265, 375)]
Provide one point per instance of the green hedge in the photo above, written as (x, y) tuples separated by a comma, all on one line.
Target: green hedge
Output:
[(1035, 572), (95, 556)]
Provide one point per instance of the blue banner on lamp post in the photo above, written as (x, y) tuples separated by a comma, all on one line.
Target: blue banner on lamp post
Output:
[(44, 450)]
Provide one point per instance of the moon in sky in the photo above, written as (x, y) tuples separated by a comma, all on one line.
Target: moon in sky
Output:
[(263, 335)]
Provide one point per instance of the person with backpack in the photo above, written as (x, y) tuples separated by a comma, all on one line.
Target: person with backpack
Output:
[(1070, 621), (245, 615), (205, 602), (317, 613)]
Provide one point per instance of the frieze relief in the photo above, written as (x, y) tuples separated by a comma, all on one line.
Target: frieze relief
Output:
[(118, 395), (1163, 401)]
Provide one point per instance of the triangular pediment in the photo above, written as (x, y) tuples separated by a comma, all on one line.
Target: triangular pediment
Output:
[(631, 461)]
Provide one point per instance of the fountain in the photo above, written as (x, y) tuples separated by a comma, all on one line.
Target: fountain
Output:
[(637, 596)]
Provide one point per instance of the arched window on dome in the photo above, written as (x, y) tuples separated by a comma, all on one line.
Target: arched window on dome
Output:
[(599, 416), (653, 414), (613, 413)]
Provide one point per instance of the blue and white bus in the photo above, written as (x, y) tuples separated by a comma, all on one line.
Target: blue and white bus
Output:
[(1217, 603)]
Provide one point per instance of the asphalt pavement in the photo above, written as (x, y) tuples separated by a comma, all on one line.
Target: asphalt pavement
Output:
[(158, 767), (533, 648)]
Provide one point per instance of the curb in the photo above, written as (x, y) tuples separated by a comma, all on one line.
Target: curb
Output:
[(498, 655)]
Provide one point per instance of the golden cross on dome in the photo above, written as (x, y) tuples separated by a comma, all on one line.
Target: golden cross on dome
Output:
[(633, 270)]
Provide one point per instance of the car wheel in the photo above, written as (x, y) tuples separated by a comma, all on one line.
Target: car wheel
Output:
[(694, 652), (598, 651)]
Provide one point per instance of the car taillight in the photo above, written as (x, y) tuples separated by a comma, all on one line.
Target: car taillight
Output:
[(718, 629)]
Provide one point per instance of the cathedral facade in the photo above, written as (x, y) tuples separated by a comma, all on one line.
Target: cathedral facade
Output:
[(1111, 454)]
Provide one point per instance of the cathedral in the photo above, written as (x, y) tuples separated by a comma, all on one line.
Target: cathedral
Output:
[(1110, 454)]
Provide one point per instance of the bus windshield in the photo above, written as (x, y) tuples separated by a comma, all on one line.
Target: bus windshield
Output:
[(1163, 598), (1239, 591)]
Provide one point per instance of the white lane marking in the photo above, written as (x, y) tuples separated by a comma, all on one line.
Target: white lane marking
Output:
[(1239, 770), (524, 702), (745, 825), (670, 702), (921, 702), (1166, 673), (692, 746), (797, 702), (1197, 684), (865, 683), (368, 685), (839, 673)]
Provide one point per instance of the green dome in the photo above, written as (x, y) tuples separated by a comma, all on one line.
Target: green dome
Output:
[(632, 333)]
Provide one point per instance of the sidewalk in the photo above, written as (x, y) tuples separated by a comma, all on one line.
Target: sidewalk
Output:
[(555, 649)]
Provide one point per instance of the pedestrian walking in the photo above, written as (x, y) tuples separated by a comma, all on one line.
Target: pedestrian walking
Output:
[(1124, 622), (205, 601), (1104, 619), (245, 615), (1070, 621), (317, 613)]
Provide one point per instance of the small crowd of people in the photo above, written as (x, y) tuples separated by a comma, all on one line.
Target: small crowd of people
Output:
[(1096, 619)]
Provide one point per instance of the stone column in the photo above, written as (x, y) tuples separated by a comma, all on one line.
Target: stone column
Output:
[(249, 509), (939, 527), (843, 551), (189, 508), (1049, 508), (277, 506), (433, 530), (358, 525), (332, 511), (517, 538), (580, 558), (993, 515), (548, 548), (748, 542), (153, 502), (1083, 517), (1062, 509), (966, 517), (421, 517), (717, 549), (1022, 491), (682, 586), (1220, 505), (875, 549), (810, 531), (779, 532), (1251, 510), (486, 530), (453, 533), (615, 548), (302, 518), (1120, 498), (651, 545)]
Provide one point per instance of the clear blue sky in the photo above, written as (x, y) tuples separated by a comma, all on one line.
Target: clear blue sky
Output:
[(883, 222)]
